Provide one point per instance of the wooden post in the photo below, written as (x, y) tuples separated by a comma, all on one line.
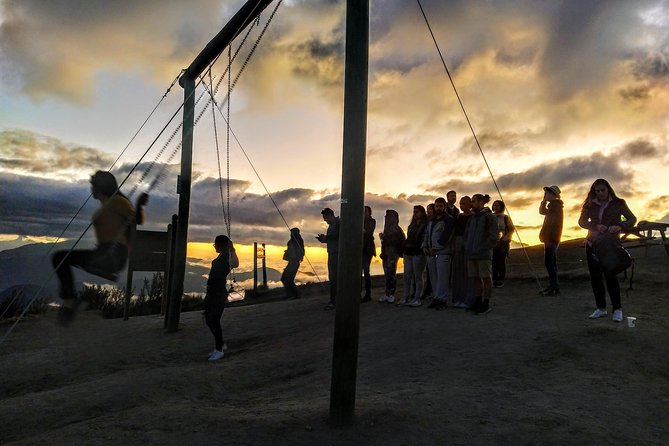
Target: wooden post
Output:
[(128, 295), (255, 266), (183, 188), (347, 317), (246, 14), (264, 267)]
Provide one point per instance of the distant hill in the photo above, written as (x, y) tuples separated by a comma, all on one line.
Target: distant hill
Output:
[(31, 265)]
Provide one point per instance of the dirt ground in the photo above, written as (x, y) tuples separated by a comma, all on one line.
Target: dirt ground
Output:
[(534, 371)]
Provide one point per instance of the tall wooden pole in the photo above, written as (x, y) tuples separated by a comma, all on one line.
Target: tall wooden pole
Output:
[(347, 316), (174, 312), (246, 14)]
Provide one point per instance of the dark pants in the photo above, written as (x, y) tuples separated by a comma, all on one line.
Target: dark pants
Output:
[(105, 260), (366, 262), (288, 278), (214, 304), (390, 272), (550, 260), (333, 258), (499, 254), (612, 285), (427, 287)]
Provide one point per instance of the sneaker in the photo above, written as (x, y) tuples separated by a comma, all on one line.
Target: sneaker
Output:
[(404, 301), (216, 355), (599, 313), (382, 299), (414, 303), (618, 315), (484, 308), (390, 299)]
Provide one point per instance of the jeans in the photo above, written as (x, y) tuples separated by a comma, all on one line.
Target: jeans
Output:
[(366, 262), (612, 285), (414, 266), (439, 267), (333, 259), (550, 260), (105, 258), (499, 254), (288, 278)]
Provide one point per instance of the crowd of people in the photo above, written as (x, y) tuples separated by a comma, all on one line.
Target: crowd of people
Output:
[(456, 256), (452, 256)]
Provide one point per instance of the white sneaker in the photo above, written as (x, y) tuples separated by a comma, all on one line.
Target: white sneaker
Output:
[(402, 302), (216, 355), (390, 299), (618, 316), (414, 303), (382, 299), (600, 313)]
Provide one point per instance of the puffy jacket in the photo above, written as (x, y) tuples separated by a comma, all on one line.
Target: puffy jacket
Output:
[(481, 235), (438, 234)]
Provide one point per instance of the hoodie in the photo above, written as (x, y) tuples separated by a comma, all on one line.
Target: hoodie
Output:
[(481, 235)]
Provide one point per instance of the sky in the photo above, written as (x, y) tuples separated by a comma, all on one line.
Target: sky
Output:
[(558, 92)]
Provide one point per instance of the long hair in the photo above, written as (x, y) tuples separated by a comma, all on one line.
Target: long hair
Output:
[(591, 193), (482, 198), (501, 203), (106, 184), (422, 217), (392, 221)]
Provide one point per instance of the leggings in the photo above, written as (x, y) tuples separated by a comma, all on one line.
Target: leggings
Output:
[(214, 304)]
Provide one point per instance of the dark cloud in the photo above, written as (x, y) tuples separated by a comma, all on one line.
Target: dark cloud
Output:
[(639, 149), (579, 171), (635, 94), (652, 67)]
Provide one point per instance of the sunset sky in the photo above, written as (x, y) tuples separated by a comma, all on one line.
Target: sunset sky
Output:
[(558, 92)]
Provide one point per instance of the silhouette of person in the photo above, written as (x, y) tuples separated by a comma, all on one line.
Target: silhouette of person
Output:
[(114, 224), (331, 239), (368, 251), (294, 254), (217, 293), (551, 208), (604, 215)]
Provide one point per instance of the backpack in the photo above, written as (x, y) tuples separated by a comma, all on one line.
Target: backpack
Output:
[(610, 253)]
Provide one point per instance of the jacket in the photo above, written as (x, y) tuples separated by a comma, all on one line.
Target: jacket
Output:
[(414, 242), (551, 229), (392, 244), (481, 235), (438, 234), (615, 213)]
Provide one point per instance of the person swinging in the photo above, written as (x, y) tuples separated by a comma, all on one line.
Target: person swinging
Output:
[(114, 224)]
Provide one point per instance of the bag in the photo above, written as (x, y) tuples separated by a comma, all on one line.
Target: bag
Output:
[(612, 257)]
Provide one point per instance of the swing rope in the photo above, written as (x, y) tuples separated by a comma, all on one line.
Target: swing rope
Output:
[(476, 140)]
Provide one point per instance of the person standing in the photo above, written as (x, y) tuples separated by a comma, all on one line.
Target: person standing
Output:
[(392, 248), (462, 287), (414, 258), (294, 254), (501, 251), (427, 286), (451, 208), (114, 225), (437, 247), (331, 239), (604, 215), (217, 293), (368, 251), (481, 236), (551, 208)]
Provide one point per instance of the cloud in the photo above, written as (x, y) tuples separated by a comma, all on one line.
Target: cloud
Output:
[(640, 149), (153, 38), (24, 151)]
